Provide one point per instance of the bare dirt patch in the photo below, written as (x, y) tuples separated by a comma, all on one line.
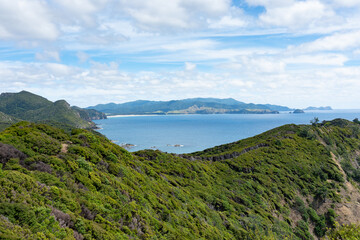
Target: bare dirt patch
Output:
[(349, 209), (64, 147)]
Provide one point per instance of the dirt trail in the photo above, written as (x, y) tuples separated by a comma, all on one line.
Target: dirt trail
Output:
[(64, 147)]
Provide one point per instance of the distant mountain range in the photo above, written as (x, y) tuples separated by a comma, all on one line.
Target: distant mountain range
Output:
[(24, 105), (188, 106)]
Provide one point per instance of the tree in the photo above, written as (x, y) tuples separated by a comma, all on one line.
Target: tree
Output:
[(315, 121)]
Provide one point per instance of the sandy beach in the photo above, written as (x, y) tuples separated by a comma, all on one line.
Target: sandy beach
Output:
[(116, 116)]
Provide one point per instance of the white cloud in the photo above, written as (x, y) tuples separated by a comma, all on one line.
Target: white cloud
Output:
[(227, 22), (101, 83), (26, 20), (295, 15), (176, 34), (356, 52), (240, 83), (170, 16), (83, 57), (255, 64), (337, 41), (210, 7), (190, 66), (318, 59), (78, 12), (347, 3), (267, 3), (58, 70), (189, 45), (48, 56), (124, 28)]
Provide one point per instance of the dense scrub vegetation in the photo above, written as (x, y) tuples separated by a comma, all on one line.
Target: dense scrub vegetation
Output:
[(27, 106), (78, 185)]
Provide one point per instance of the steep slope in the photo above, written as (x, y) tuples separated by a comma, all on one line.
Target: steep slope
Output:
[(59, 111), (290, 182), (27, 106), (187, 106), (6, 120)]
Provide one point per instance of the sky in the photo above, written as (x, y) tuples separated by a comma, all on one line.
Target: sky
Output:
[(286, 52)]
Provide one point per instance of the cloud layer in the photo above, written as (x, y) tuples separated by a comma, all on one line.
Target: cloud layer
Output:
[(287, 52)]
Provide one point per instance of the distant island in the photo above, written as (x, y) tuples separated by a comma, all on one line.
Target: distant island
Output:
[(188, 106), (298, 111), (319, 108)]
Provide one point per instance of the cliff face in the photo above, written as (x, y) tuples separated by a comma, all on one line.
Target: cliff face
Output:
[(290, 182)]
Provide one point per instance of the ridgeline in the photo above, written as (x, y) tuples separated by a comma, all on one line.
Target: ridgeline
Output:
[(28, 106), (188, 106), (292, 182)]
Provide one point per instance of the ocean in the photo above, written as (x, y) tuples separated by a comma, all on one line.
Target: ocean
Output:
[(190, 133)]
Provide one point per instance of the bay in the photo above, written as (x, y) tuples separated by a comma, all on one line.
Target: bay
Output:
[(190, 133)]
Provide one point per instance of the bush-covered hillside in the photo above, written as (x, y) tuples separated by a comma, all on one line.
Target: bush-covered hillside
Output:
[(31, 107), (292, 182)]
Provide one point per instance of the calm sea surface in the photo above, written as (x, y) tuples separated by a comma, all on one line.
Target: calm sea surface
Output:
[(189, 133)]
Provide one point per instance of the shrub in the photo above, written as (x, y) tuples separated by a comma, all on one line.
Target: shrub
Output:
[(348, 232), (7, 152)]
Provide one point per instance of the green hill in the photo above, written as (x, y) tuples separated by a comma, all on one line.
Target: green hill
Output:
[(27, 106), (292, 182), (17, 104), (188, 106)]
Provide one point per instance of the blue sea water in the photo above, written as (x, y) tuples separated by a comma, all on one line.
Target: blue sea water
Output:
[(198, 132)]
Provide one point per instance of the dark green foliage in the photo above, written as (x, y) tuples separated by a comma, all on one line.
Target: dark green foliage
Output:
[(300, 206), (7, 152), (315, 121), (78, 184), (302, 230), (330, 217), (30, 107), (306, 132)]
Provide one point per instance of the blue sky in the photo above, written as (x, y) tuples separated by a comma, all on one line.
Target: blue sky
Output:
[(286, 52)]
